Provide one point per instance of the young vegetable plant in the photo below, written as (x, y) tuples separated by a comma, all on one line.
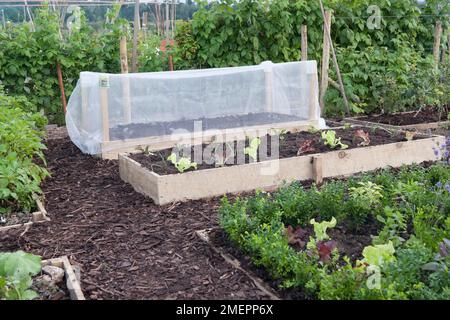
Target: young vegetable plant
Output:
[(360, 133), (394, 224), (409, 135), (295, 235), (306, 146), (321, 244), (182, 164), (145, 150), (16, 271), (330, 140), (367, 192), (252, 149), (440, 259), (374, 258)]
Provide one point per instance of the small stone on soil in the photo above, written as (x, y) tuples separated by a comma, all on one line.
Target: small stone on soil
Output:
[(56, 274)]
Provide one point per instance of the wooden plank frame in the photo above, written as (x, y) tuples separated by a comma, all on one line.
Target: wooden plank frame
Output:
[(112, 149), (72, 282), (418, 126), (192, 185), (39, 216)]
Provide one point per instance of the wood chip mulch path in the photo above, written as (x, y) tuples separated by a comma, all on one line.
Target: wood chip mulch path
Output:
[(125, 245)]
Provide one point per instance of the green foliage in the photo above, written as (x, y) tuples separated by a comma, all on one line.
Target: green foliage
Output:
[(368, 192), (20, 144), (384, 69), (391, 268), (329, 139), (16, 270), (185, 55), (28, 58), (182, 164), (252, 149), (394, 224), (151, 58), (320, 228), (431, 225)]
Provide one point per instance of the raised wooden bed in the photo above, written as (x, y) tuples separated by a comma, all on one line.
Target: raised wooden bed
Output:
[(39, 216), (204, 236), (112, 149), (72, 282), (418, 126), (164, 189)]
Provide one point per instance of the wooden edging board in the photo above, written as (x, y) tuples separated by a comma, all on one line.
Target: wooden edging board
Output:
[(39, 216), (112, 149), (259, 283), (164, 189), (72, 282), (418, 126)]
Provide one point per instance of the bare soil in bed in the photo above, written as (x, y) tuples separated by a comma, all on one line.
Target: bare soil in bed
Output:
[(289, 146), (426, 115), (139, 130)]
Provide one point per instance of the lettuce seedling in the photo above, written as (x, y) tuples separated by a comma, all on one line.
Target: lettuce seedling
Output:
[(252, 149), (182, 164), (320, 228), (321, 244), (306, 146), (374, 258), (330, 140), (364, 136), (295, 235)]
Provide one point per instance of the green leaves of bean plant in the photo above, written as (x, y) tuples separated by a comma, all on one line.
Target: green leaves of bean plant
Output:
[(16, 270), (384, 69)]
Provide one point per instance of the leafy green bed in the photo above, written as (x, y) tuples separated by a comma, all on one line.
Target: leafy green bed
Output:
[(21, 149), (408, 259)]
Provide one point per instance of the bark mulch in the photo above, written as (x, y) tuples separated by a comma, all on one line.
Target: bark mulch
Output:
[(126, 246)]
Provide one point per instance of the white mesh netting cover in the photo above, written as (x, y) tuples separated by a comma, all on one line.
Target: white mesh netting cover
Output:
[(110, 107)]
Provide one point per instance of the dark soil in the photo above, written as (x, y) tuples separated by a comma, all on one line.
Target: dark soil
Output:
[(289, 146), (402, 119), (349, 243), (139, 130), (14, 218), (126, 246), (442, 131)]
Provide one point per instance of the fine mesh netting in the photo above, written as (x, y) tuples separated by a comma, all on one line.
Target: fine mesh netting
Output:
[(114, 107)]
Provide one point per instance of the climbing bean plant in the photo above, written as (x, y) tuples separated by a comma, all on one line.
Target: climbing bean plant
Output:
[(393, 49)]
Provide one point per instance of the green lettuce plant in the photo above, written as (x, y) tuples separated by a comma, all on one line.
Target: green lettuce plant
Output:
[(181, 164), (374, 258), (320, 244), (329, 138), (252, 149)]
